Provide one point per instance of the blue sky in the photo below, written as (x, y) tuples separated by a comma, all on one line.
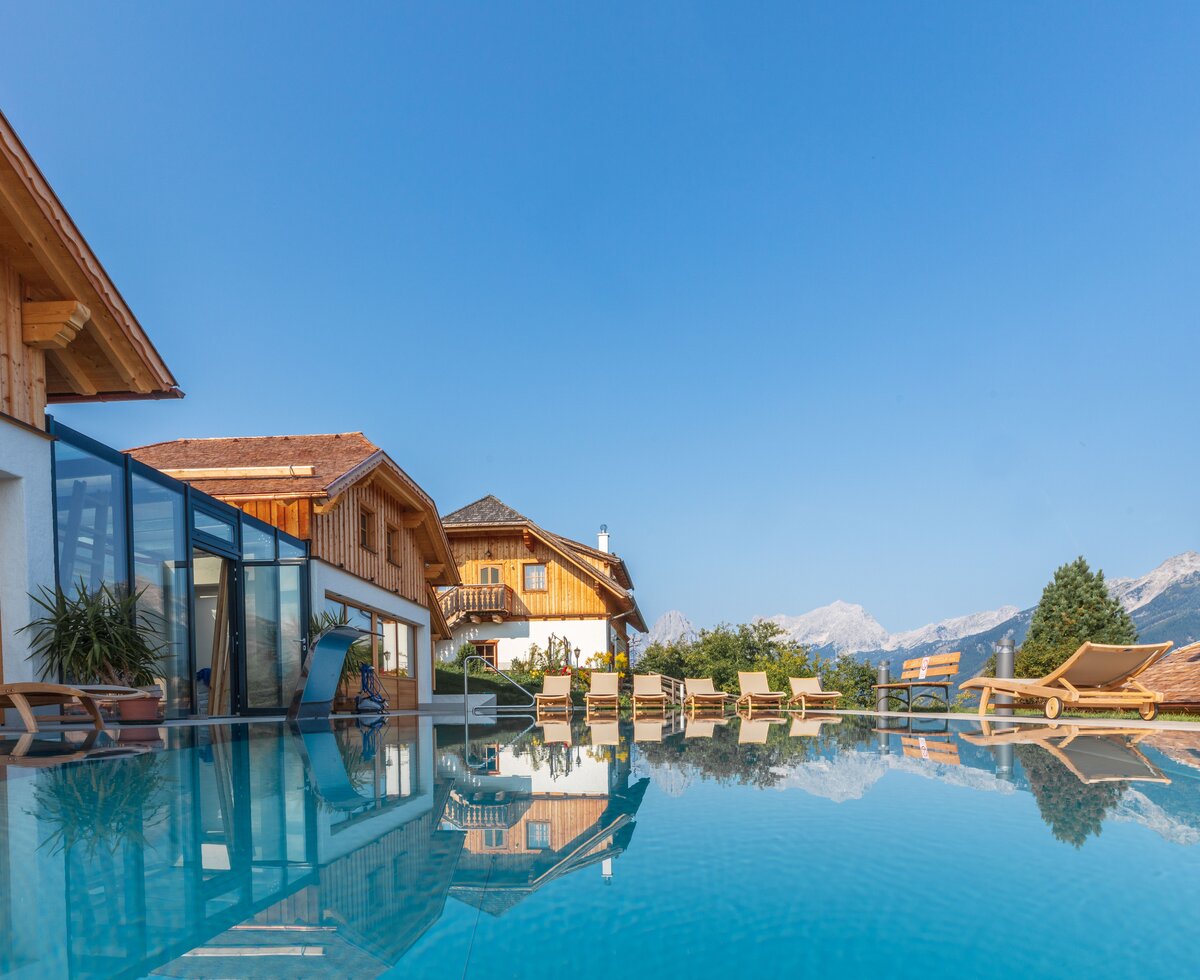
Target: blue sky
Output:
[(890, 303)]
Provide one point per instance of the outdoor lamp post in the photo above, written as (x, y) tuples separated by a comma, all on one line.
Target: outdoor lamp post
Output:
[(577, 658)]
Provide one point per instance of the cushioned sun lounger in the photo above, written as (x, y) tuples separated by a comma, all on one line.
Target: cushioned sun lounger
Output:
[(603, 696), (756, 691), (807, 690), (700, 695), (1097, 675), (25, 697), (648, 692), (556, 693)]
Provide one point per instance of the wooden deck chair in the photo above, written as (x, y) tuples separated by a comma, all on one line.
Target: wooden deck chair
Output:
[(700, 695), (811, 727), (605, 732), (702, 727), (25, 697), (1097, 675), (806, 690), (556, 732), (603, 695), (648, 693), (754, 731), (648, 730), (556, 693), (756, 691)]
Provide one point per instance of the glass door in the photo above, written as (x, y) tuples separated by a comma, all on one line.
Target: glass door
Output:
[(212, 613), (274, 632)]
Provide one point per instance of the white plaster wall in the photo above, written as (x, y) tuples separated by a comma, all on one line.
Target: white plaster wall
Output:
[(324, 577), (26, 539), (516, 636)]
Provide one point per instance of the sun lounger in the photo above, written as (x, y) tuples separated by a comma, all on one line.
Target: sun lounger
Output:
[(756, 691), (1097, 675), (603, 695), (648, 692), (25, 697), (700, 695), (556, 693), (807, 690)]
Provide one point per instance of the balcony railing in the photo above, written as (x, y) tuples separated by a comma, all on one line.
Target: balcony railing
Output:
[(477, 600)]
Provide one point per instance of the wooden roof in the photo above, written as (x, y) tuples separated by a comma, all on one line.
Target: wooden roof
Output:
[(239, 468), (110, 357), (490, 513), (1177, 676)]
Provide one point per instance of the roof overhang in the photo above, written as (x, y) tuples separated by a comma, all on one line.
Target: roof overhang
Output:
[(95, 349)]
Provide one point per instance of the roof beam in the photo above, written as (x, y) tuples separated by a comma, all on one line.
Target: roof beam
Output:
[(412, 520), (433, 570), (239, 472), (52, 326), (72, 368)]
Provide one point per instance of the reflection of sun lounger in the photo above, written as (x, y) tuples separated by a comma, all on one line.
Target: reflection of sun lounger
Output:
[(1097, 675), (648, 731), (556, 732), (754, 731), (702, 727), (811, 727), (34, 753), (1094, 755), (605, 733)]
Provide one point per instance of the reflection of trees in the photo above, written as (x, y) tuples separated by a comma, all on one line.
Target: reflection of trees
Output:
[(1072, 809)]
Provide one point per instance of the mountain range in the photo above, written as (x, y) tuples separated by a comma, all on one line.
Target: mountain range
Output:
[(1164, 605)]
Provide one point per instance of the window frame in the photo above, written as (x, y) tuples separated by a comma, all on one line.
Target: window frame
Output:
[(498, 569), (488, 649), (529, 825), (368, 528), (391, 536), (525, 566)]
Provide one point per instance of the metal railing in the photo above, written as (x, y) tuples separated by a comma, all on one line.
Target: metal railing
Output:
[(496, 670)]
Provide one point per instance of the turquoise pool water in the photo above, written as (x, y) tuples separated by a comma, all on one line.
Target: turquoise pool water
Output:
[(792, 847)]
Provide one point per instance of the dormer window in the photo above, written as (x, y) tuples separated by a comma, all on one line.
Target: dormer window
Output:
[(535, 577)]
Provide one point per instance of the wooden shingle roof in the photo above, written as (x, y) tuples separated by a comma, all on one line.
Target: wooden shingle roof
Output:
[(486, 510), (330, 456), (1177, 675)]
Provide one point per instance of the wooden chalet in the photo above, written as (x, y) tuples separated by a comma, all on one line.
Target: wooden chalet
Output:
[(376, 546), (522, 585), (66, 335)]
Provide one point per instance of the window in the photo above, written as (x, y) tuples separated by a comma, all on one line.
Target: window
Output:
[(366, 528), (489, 575), (535, 577), (493, 837), (488, 652), (391, 543), (537, 835)]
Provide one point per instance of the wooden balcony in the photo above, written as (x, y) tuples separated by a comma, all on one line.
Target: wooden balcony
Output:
[(477, 603)]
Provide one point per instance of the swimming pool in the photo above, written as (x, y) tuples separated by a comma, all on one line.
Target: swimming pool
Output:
[(796, 846)]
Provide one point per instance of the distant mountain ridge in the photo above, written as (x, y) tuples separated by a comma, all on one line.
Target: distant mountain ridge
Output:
[(1164, 605)]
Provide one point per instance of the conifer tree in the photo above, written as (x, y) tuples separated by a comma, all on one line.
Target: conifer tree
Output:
[(1075, 607)]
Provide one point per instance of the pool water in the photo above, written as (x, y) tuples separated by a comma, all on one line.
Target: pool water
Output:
[(818, 845)]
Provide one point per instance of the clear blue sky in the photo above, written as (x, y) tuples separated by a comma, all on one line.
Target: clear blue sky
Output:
[(890, 303)]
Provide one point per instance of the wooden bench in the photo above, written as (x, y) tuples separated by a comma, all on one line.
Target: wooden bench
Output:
[(935, 671)]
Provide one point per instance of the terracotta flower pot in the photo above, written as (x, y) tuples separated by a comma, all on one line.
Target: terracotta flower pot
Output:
[(138, 709)]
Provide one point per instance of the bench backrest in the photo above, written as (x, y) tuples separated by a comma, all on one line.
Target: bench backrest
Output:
[(937, 667), (930, 749)]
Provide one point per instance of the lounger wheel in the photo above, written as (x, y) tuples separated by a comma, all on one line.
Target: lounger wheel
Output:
[(1054, 708), (1149, 711)]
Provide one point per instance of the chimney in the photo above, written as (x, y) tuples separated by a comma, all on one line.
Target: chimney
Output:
[(603, 545)]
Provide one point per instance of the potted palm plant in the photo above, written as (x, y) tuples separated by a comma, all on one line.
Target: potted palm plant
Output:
[(98, 637)]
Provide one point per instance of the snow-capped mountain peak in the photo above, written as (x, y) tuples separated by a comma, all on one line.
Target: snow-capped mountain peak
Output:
[(1134, 593), (949, 630), (841, 625)]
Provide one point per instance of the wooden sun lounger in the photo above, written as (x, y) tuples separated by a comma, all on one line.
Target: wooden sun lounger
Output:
[(756, 691), (1097, 675), (556, 694), (700, 695), (25, 697), (604, 695), (808, 689), (648, 692)]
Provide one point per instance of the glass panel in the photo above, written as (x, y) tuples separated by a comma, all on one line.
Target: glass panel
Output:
[(218, 527), (290, 549), (212, 577), (396, 648), (160, 575), (273, 633), (257, 544), (89, 503), (535, 578), (537, 836)]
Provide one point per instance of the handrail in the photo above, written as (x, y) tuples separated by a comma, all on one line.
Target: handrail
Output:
[(498, 707)]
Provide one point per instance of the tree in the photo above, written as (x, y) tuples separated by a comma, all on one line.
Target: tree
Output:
[(1075, 607)]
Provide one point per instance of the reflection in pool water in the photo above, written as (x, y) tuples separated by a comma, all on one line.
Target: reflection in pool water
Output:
[(822, 843)]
